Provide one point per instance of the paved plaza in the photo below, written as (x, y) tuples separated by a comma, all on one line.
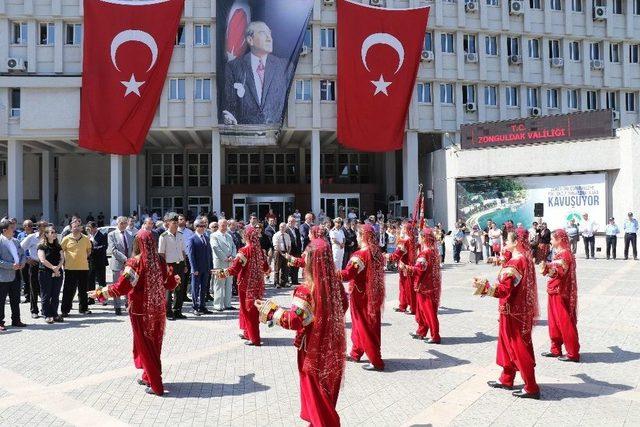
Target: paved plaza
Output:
[(81, 372)]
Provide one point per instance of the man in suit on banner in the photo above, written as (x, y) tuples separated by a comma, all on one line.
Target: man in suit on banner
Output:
[(256, 83)]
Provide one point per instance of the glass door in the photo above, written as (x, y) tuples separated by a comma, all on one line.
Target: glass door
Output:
[(340, 205)]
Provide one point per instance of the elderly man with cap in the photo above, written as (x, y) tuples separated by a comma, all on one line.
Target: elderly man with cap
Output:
[(630, 236)]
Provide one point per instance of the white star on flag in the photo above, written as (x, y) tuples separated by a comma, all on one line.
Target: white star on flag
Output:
[(381, 86), (132, 86)]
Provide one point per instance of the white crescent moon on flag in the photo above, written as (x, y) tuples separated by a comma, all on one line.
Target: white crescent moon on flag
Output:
[(382, 38), (134, 36)]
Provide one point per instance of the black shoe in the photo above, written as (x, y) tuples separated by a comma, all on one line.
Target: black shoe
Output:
[(416, 336), (219, 310), (19, 325), (231, 308), (85, 312), (568, 359), (65, 315), (524, 395), (206, 311), (498, 384), (118, 312), (208, 298), (187, 299), (399, 310), (170, 317), (549, 354), (243, 337), (370, 367), (179, 315), (58, 319), (91, 301), (196, 313), (350, 358), (142, 382)]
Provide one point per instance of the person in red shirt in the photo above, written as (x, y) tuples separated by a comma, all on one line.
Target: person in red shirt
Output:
[(317, 315), (427, 282), (562, 288), (406, 253), (146, 280), (250, 265), (518, 307), (365, 273)]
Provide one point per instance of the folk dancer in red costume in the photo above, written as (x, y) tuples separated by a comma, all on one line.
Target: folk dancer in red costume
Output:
[(250, 265), (518, 306), (317, 316), (427, 282), (562, 288), (365, 273), (146, 280), (406, 253)]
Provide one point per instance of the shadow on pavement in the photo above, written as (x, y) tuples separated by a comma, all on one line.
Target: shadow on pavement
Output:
[(245, 385), (447, 310), (77, 322), (572, 390), (479, 338), (617, 355), (442, 361)]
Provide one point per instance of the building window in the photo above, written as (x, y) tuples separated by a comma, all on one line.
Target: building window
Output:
[(612, 103), (243, 168), (345, 168), (176, 89), (490, 95), (555, 4), (592, 100), (513, 46), (202, 89), (595, 51), (428, 41), (47, 33), (617, 7), (636, 7), (308, 38), (512, 96), (167, 170), (634, 53), (303, 90), (280, 168), (554, 49), (630, 101), (532, 97), (493, 3), (446, 93), (574, 51), (468, 94), (19, 33), (573, 99), (180, 35), (447, 40), (15, 102), (3, 168), (74, 34), (469, 43), (491, 45), (535, 4), (576, 5), (424, 93), (534, 48), (614, 52), (198, 168), (202, 35), (552, 98), (160, 205), (327, 90), (328, 38)]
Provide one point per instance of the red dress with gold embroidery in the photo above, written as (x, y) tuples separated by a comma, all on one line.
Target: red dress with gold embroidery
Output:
[(406, 253), (427, 284)]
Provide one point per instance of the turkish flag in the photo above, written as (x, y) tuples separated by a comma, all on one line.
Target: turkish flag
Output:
[(127, 50), (378, 57)]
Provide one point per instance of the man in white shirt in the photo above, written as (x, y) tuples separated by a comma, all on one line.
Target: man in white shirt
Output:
[(588, 229), (337, 242), (281, 248), (171, 248)]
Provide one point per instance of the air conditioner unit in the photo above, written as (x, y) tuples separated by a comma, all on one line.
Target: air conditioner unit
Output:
[(616, 115), (557, 62), (471, 6), (379, 3), (470, 106), (597, 64), (427, 55), (516, 7), (16, 64), (471, 57), (535, 111), (515, 59), (328, 2), (305, 50), (599, 13)]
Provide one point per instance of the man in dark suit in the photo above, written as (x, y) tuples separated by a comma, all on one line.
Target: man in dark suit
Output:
[(98, 260), (255, 84), (201, 261), (296, 246), (305, 230)]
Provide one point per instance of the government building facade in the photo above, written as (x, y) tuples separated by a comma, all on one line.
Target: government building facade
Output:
[(485, 60)]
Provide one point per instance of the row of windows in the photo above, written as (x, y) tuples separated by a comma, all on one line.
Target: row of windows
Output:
[(534, 47), (617, 6), (168, 170), (512, 97), (201, 89)]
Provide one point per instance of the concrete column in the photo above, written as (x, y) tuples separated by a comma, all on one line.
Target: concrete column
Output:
[(133, 184), (116, 198), (216, 172), (315, 171), (15, 179), (47, 187), (410, 175)]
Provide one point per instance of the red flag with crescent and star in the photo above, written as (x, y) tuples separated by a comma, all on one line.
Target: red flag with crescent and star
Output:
[(378, 58), (127, 49)]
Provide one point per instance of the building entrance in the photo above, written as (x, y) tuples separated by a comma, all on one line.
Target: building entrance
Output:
[(245, 205)]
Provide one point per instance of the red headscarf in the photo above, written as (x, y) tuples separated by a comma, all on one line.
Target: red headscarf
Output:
[(255, 261), (433, 260), (526, 300), (572, 292), (326, 345), (409, 241), (375, 271)]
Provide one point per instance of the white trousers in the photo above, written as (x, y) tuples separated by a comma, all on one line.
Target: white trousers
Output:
[(222, 289), (338, 255)]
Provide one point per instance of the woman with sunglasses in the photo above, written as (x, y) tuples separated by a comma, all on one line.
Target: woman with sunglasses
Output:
[(51, 258)]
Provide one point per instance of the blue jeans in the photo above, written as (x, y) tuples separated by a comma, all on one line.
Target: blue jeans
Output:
[(199, 288), (49, 292)]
